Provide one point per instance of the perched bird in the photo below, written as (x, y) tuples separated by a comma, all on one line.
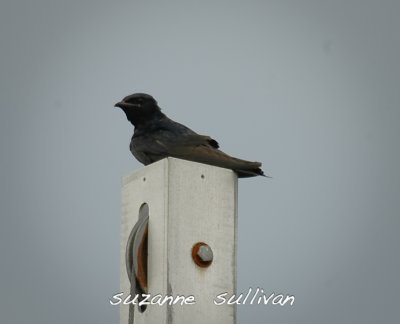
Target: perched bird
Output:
[(156, 137)]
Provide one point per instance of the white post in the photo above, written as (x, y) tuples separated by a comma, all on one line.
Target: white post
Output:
[(188, 203)]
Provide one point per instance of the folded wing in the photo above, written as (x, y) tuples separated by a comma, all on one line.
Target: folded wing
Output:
[(192, 147)]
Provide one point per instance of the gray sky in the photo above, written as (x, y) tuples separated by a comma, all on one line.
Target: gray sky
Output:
[(310, 88)]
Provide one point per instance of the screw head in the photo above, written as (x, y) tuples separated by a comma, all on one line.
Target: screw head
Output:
[(202, 254)]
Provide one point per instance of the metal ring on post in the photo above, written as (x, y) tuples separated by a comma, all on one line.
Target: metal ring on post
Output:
[(136, 255)]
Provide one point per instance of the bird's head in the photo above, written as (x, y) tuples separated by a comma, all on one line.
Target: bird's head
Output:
[(139, 108)]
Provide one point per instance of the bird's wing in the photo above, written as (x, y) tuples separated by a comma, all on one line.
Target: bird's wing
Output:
[(158, 144), (196, 140), (208, 155), (212, 156), (193, 147)]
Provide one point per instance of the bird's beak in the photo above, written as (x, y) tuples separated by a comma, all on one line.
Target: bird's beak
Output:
[(123, 105)]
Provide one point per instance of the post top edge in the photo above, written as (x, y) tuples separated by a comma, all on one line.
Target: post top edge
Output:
[(168, 161)]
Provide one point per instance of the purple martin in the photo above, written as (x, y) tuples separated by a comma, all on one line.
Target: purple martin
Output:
[(157, 137)]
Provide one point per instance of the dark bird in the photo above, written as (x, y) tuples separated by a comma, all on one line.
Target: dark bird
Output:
[(156, 137)]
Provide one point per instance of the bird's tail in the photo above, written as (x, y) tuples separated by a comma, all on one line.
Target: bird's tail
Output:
[(212, 156)]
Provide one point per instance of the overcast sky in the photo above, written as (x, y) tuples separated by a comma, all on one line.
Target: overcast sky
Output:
[(310, 88)]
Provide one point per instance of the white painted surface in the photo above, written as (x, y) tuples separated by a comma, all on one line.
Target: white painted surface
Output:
[(184, 208)]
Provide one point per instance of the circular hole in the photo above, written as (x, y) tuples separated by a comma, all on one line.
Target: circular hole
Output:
[(202, 176), (144, 179)]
